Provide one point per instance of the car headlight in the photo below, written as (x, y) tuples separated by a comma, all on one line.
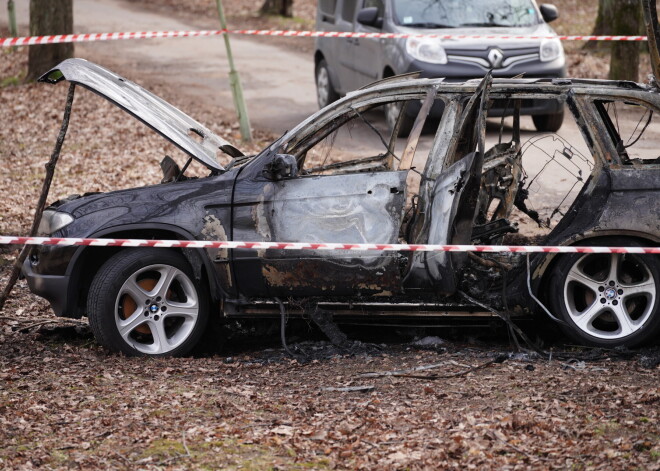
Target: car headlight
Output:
[(52, 221), (426, 50), (551, 49)]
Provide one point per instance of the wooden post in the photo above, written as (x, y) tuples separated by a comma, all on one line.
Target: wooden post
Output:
[(41, 204), (235, 83), (11, 15)]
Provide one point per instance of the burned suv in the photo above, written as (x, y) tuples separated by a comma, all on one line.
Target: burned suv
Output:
[(341, 176)]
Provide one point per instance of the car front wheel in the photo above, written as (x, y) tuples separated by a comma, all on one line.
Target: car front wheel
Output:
[(548, 122), (146, 302), (608, 300)]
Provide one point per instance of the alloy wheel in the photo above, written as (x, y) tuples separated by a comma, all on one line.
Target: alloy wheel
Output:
[(156, 309), (609, 296)]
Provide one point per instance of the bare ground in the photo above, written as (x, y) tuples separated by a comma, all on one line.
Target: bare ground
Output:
[(66, 403)]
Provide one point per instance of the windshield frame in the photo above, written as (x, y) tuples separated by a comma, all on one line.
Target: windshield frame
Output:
[(398, 20)]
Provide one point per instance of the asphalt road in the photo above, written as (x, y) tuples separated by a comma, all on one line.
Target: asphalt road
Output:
[(278, 84)]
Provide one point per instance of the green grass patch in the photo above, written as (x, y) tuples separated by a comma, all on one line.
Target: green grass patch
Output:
[(227, 453), (12, 81)]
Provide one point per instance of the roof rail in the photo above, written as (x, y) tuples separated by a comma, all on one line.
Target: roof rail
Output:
[(394, 78)]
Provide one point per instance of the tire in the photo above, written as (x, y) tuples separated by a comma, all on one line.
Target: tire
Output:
[(166, 319), (391, 112), (608, 300), (325, 92), (548, 122)]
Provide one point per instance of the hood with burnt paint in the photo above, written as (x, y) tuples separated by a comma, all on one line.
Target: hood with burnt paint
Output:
[(179, 128), (180, 204)]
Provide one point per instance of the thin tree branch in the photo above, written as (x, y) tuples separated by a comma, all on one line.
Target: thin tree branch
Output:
[(50, 172)]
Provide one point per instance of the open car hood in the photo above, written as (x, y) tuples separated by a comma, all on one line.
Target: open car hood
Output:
[(176, 126)]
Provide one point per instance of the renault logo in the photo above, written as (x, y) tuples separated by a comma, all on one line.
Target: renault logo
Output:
[(495, 57)]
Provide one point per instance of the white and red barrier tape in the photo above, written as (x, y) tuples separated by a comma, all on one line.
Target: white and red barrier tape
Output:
[(76, 38), (208, 244)]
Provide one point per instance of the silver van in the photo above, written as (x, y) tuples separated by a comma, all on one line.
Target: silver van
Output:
[(346, 64)]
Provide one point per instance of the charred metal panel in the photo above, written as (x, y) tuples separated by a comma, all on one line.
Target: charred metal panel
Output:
[(435, 269), (345, 209), (178, 208), (634, 204), (354, 208), (632, 212), (214, 230), (637, 179)]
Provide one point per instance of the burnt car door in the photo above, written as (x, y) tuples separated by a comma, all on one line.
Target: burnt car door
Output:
[(450, 205), (358, 208), (288, 199)]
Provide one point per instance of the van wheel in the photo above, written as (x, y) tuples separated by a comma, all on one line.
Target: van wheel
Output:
[(392, 111), (548, 122), (608, 300), (146, 302), (325, 92)]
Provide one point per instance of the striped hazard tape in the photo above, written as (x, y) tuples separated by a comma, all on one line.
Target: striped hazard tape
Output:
[(76, 38), (208, 244)]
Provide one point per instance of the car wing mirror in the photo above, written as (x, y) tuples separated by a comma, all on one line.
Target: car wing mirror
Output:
[(549, 12), (370, 17), (170, 169), (282, 166)]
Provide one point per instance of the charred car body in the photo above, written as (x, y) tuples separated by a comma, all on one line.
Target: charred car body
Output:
[(158, 301)]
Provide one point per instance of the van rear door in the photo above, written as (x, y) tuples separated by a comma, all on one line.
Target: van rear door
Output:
[(368, 63), (337, 15)]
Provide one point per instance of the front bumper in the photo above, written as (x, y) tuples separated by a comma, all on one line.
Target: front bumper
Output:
[(457, 72), (53, 288), (454, 72)]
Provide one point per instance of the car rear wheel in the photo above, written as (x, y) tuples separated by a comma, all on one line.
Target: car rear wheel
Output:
[(548, 122), (325, 92), (146, 302), (608, 300)]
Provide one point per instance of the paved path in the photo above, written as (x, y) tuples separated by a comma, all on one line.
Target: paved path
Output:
[(279, 84)]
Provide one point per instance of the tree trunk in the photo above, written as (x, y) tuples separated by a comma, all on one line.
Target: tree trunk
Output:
[(626, 21), (604, 17), (602, 26), (49, 17), (277, 7), (653, 33)]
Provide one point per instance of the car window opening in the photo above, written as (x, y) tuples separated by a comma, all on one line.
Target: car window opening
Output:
[(552, 173), (331, 150), (633, 129)]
